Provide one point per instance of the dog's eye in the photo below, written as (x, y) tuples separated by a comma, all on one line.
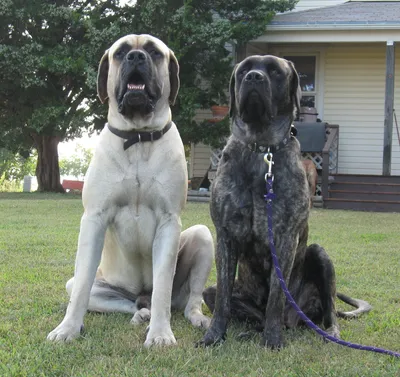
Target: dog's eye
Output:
[(154, 53), (119, 54), (243, 72), (274, 72)]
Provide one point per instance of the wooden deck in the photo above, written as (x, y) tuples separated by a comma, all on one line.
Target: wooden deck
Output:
[(364, 193)]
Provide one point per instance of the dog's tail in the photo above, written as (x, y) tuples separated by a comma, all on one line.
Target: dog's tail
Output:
[(361, 305)]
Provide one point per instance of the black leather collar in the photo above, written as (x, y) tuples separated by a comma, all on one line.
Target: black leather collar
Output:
[(259, 148), (133, 137)]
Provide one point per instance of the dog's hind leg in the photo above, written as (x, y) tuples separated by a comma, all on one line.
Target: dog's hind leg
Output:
[(143, 314), (319, 272), (243, 308), (105, 298), (195, 259)]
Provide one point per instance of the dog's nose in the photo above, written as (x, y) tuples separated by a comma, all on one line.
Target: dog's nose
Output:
[(136, 56), (254, 76)]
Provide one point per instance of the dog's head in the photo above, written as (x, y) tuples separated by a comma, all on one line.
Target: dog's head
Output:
[(263, 91), (138, 74)]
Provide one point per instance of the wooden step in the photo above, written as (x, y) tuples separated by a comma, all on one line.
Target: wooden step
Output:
[(198, 196), (204, 199), (365, 195), (364, 186), (363, 178), (363, 205)]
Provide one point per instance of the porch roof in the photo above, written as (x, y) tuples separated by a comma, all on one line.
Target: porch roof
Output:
[(354, 21), (350, 15)]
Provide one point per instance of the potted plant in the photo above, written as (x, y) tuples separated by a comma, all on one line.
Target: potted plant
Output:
[(218, 101), (219, 111)]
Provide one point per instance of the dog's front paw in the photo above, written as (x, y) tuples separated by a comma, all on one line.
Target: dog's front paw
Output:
[(65, 332), (141, 316), (199, 320), (273, 340), (333, 331), (246, 335), (160, 337), (211, 338)]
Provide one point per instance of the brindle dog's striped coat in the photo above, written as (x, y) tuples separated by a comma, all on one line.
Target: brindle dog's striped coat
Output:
[(264, 96)]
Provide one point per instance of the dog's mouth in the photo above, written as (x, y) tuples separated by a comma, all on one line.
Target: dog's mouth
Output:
[(254, 107), (130, 86), (136, 83), (136, 95)]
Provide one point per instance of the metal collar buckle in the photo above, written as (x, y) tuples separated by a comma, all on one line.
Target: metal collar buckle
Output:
[(268, 158)]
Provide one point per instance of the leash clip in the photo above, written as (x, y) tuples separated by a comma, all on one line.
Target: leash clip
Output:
[(268, 160)]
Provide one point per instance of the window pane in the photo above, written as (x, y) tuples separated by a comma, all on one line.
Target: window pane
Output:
[(305, 67), (307, 101)]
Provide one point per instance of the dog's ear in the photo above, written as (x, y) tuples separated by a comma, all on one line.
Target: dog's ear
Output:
[(232, 101), (102, 76), (295, 90), (173, 77)]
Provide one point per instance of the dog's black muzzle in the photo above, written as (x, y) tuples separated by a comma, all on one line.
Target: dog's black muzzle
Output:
[(255, 98), (255, 77), (136, 57), (138, 91)]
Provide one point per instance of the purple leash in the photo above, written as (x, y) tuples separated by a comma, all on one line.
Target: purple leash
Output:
[(268, 198)]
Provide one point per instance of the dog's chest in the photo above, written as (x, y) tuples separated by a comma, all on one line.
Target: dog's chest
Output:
[(148, 192), (138, 191), (239, 191), (145, 177)]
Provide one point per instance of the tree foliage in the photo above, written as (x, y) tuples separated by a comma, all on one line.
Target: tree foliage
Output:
[(49, 56), (204, 35), (13, 166), (77, 164), (49, 53)]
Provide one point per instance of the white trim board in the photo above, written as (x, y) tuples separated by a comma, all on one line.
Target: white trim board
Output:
[(328, 36)]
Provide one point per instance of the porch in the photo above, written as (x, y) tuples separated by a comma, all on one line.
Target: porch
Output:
[(346, 57)]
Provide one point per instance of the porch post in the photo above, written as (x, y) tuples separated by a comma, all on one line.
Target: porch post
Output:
[(240, 53), (389, 99)]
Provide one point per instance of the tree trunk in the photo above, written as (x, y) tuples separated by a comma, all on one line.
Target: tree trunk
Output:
[(47, 168)]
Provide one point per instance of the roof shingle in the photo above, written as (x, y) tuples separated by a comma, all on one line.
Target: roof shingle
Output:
[(357, 13)]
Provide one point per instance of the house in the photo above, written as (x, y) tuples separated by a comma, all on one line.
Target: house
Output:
[(342, 51)]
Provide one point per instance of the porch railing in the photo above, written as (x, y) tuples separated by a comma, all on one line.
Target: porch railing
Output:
[(330, 156), (325, 156)]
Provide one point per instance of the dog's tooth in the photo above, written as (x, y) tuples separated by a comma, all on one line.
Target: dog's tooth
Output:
[(135, 86)]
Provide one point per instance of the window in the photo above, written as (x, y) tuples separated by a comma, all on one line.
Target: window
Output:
[(306, 67)]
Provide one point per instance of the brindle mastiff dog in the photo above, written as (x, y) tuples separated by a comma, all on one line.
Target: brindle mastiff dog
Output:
[(133, 195), (264, 96)]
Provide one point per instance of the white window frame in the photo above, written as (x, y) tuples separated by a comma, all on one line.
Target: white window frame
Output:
[(319, 54)]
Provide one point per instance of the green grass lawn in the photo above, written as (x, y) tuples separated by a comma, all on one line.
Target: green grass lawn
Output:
[(38, 237)]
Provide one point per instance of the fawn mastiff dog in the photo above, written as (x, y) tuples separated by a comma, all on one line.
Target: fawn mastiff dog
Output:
[(312, 177), (131, 249), (264, 95)]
